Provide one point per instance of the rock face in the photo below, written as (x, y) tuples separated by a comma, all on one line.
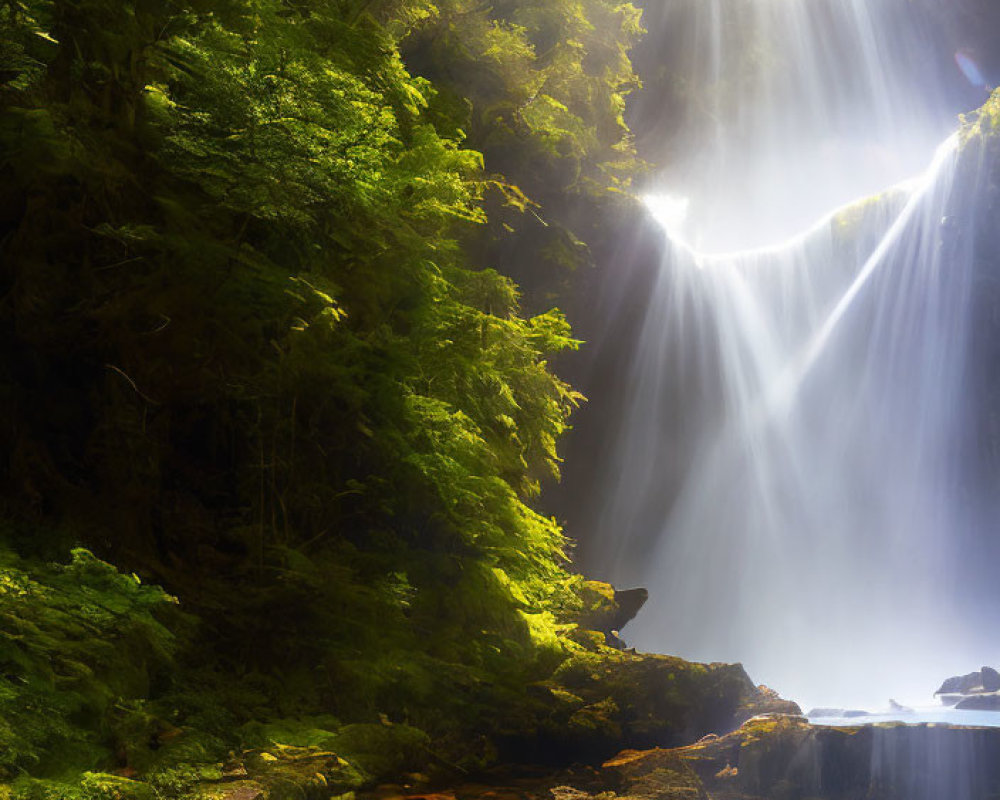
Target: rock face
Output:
[(977, 690), (985, 701), (990, 679), (962, 684), (607, 610), (785, 757), (597, 703), (776, 758)]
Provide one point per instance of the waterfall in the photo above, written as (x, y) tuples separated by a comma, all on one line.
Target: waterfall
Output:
[(794, 429)]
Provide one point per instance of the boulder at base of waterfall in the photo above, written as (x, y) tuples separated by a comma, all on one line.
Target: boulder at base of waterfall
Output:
[(955, 691), (990, 679), (962, 684), (596, 704), (985, 701)]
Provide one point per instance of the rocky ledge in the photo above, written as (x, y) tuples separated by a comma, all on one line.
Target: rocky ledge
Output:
[(978, 690), (771, 758)]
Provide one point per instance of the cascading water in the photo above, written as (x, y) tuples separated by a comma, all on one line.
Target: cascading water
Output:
[(810, 539), (812, 535), (793, 108)]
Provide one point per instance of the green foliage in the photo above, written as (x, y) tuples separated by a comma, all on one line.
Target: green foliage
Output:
[(76, 643), (317, 731), (247, 351), (539, 86), (381, 749), (261, 344), (89, 786), (546, 82)]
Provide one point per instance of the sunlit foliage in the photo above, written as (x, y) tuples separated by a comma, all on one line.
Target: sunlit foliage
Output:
[(249, 349)]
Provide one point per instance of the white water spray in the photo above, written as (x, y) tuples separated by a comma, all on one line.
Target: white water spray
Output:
[(817, 433)]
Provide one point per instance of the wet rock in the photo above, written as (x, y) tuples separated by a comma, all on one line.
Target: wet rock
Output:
[(283, 773), (786, 757), (766, 700), (955, 691), (655, 773), (985, 701), (776, 758), (962, 684), (597, 704), (990, 679)]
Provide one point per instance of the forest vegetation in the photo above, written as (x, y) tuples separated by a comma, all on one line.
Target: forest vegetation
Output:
[(278, 300), (282, 329)]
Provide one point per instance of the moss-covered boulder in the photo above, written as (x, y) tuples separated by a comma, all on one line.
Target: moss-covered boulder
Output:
[(88, 786), (280, 773), (82, 647), (597, 703)]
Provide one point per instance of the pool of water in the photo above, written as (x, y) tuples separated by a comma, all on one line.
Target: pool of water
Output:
[(937, 714)]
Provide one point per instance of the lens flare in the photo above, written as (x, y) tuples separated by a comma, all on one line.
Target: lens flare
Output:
[(970, 69)]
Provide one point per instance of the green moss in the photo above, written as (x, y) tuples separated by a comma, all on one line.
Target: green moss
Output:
[(84, 642), (317, 731), (983, 121), (383, 750), (89, 786)]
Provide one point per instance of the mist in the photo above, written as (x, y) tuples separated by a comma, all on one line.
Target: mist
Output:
[(794, 463)]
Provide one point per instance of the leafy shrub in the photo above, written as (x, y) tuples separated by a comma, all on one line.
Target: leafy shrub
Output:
[(76, 642)]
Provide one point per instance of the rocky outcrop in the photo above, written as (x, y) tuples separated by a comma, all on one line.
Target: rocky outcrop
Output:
[(772, 758), (962, 684), (985, 701), (976, 691), (990, 679), (608, 610), (282, 773), (785, 757), (597, 703)]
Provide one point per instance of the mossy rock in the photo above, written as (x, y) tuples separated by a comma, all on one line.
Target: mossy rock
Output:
[(90, 786), (283, 773), (318, 731), (595, 725), (661, 700), (303, 773), (382, 750)]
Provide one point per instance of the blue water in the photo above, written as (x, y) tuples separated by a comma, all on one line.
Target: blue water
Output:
[(946, 716)]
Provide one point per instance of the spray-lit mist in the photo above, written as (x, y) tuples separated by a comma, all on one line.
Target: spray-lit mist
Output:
[(821, 366)]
